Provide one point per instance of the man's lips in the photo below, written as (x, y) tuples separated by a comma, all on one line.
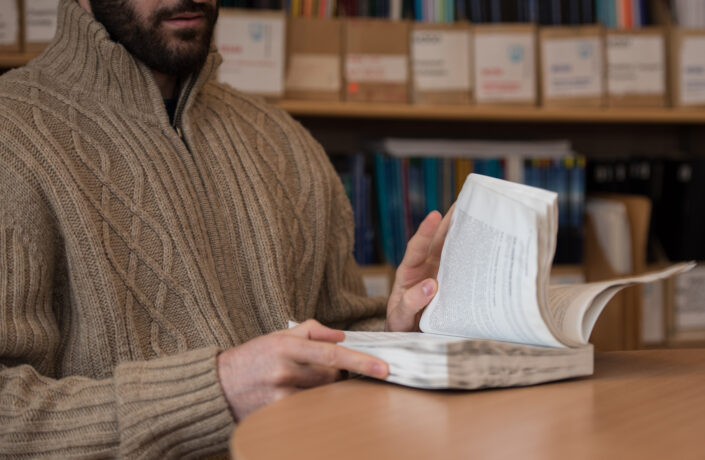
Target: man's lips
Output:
[(186, 20)]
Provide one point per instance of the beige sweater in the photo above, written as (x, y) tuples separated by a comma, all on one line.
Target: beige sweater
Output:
[(129, 257)]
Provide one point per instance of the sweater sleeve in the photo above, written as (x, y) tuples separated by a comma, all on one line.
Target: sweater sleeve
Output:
[(169, 407)]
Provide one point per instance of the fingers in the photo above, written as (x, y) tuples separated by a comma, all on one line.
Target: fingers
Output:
[(419, 244), (313, 330), (313, 375), (336, 357), (414, 300)]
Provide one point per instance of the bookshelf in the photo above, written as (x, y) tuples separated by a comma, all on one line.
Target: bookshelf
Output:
[(500, 114), (595, 132)]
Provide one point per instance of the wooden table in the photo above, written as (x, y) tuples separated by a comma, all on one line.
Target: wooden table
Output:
[(640, 405)]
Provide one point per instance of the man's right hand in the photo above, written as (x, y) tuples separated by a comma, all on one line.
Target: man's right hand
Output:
[(276, 365)]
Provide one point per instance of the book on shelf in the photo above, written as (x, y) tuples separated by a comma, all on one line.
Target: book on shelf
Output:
[(10, 30), (40, 22), (441, 60), (505, 64), (376, 61), (495, 321), (636, 68), (675, 187), (412, 177), (687, 322), (314, 59), (250, 41), (572, 66), (688, 67)]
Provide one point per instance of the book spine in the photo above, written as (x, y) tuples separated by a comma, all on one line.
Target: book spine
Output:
[(495, 11), (431, 184), (405, 199), (476, 11), (573, 7), (383, 203)]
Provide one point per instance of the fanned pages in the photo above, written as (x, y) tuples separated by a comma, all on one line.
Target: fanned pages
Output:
[(495, 321)]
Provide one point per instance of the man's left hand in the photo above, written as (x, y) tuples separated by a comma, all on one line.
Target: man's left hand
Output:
[(415, 281)]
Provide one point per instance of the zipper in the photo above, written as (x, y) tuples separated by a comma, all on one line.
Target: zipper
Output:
[(180, 107)]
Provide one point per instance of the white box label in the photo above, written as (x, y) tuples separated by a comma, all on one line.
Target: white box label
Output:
[(636, 64), (41, 19), (692, 71), (253, 53), (313, 72), (9, 22), (572, 67), (376, 68), (505, 67), (441, 59)]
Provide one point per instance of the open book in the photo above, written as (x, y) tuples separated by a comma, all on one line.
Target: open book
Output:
[(495, 320)]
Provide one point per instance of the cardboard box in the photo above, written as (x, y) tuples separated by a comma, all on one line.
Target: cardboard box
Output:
[(636, 68), (572, 66), (10, 26), (505, 64), (40, 21), (252, 45), (376, 61), (687, 68), (314, 59), (441, 63)]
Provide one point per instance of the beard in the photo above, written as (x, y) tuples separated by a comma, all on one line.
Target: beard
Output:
[(170, 52)]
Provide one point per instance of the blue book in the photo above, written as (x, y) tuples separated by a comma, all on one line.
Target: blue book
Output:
[(493, 168), (418, 10), (460, 12), (611, 9), (358, 203), (480, 166), (430, 168), (477, 12), (532, 11), (574, 12), (495, 11), (645, 18), (417, 191), (368, 233), (576, 178), (450, 11), (397, 211), (529, 173), (556, 12), (558, 183), (383, 204)]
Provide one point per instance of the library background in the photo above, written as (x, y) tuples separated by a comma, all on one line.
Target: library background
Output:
[(602, 101)]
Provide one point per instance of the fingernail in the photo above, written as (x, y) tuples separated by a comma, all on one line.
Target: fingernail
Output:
[(379, 370), (427, 287)]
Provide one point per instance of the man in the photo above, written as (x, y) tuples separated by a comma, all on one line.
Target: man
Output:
[(157, 232)]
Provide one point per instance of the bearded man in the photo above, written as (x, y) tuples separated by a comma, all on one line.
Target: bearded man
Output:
[(158, 230)]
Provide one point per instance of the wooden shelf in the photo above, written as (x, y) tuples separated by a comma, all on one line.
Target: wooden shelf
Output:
[(500, 114), (461, 113), (8, 60)]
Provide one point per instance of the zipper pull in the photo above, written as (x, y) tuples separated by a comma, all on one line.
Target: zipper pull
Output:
[(180, 133)]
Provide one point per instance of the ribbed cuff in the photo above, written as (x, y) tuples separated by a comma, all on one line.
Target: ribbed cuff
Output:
[(172, 407)]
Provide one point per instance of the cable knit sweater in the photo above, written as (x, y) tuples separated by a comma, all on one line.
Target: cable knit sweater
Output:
[(130, 254)]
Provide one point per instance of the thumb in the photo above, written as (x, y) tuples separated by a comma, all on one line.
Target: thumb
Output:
[(412, 302)]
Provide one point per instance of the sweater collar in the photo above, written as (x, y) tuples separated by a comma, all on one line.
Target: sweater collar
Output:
[(83, 56)]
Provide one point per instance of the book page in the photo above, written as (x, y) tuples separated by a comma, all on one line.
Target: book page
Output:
[(575, 308), (488, 273)]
